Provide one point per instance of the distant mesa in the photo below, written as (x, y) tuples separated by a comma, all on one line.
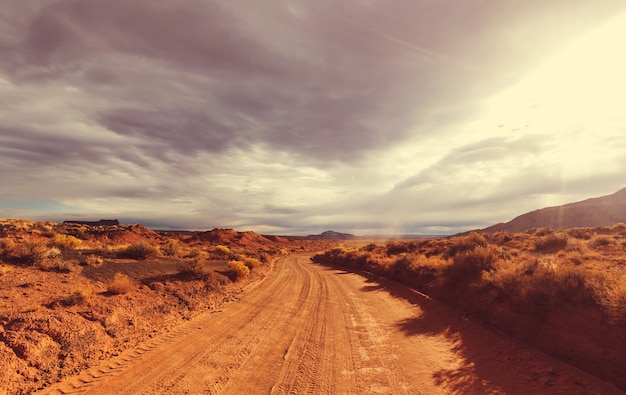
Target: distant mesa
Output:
[(102, 222), (596, 212), (332, 235)]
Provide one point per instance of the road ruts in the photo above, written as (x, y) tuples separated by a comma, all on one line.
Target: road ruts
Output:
[(311, 329)]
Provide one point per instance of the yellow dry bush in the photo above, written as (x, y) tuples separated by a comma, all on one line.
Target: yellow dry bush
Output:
[(29, 251), (139, 251), (609, 291), (551, 242), (221, 250), (66, 242), (251, 263), (172, 248), (468, 265), (120, 284), (467, 243), (601, 241), (82, 294), (240, 269)]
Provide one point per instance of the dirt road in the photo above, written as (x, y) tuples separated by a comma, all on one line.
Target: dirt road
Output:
[(311, 329)]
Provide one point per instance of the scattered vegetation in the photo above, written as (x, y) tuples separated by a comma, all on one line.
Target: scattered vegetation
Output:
[(535, 272)]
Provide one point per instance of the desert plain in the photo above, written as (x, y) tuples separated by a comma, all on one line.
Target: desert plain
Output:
[(125, 309)]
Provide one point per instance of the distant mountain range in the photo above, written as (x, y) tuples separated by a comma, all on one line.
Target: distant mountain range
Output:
[(595, 212)]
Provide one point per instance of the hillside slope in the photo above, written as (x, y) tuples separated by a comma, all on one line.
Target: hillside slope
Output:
[(595, 212)]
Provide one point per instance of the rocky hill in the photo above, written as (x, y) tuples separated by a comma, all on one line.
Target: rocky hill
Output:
[(230, 237), (595, 212)]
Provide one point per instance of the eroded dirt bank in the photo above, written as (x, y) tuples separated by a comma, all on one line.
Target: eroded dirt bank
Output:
[(314, 329)]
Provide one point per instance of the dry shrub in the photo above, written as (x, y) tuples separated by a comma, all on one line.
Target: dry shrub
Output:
[(240, 269), (28, 252), (467, 243), (601, 241), (396, 248), (194, 267), (120, 284), (574, 258), (609, 291), (417, 270), (551, 243), (66, 242), (221, 251), (533, 285), (7, 246), (82, 294), (139, 251), (264, 256), (540, 232), (93, 260), (619, 227), (59, 264), (171, 248), (251, 263), (580, 233), (468, 265)]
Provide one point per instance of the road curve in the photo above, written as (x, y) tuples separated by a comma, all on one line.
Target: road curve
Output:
[(311, 329)]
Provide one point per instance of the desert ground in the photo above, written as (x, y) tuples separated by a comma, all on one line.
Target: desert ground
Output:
[(230, 312)]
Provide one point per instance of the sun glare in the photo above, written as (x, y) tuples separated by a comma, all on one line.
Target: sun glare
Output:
[(575, 98)]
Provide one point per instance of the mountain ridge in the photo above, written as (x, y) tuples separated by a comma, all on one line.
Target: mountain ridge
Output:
[(593, 212)]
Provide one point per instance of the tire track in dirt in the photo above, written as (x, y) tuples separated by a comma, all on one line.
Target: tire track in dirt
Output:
[(310, 329)]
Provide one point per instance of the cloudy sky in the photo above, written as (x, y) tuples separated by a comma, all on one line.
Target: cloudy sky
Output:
[(297, 116)]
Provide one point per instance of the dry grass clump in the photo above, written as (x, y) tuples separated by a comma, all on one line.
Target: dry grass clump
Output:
[(60, 265), (468, 265), (551, 242), (533, 285), (580, 233), (609, 291), (396, 248), (194, 266), (28, 252), (619, 227), (221, 251), (171, 248), (82, 294), (93, 260), (120, 284), (139, 251), (241, 270), (467, 243), (601, 241), (66, 242), (251, 263)]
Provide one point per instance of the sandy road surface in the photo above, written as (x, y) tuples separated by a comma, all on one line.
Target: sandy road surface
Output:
[(310, 329)]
